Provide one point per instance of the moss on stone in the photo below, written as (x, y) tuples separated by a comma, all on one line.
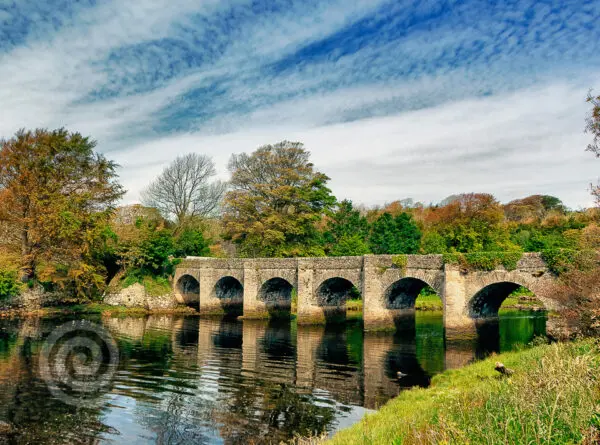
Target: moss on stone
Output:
[(400, 261), (486, 261)]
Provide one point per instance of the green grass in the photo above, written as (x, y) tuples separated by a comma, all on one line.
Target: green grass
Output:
[(522, 298), (553, 398), (354, 305), (155, 286), (424, 303), (428, 303)]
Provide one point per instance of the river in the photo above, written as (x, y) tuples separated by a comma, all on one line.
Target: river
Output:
[(185, 379)]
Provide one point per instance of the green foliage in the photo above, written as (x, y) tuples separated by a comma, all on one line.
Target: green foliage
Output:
[(428, 300), (400, 261), (561, 261), (150, 252), (155, 285), (432, 242), (58, 196), (275, 202), (391, 235), (9, 287), (558, 260), (191, 242), (349, 245), (484, 260), (347, 232)]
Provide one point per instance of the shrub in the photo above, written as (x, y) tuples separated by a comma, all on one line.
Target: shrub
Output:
[(9, 287), (191, 242), (560, 261), (400, 261), (150, 254), (484, 260)]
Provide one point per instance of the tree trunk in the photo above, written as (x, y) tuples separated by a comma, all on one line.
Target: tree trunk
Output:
[(27, 271)]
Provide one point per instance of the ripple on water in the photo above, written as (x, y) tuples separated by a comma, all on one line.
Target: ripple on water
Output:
[(191, 380)]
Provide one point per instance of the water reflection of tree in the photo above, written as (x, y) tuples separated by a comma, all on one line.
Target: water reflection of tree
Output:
[(242, 408), (430, 348), (26, 401), (265, 412), (519, 328)]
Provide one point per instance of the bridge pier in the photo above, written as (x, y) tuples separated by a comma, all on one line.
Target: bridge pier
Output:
[(456, 315), (308, 340), (253, 307), (376, 316), (309, 311), (209, 304)]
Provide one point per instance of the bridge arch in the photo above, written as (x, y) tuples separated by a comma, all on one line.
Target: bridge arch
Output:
[(334, 292), (188, 289), (331, 297), (486, 301), (230, 292), (403, 293), (276, 293)]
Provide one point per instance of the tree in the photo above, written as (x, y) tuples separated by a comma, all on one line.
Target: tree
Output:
[(593, 126), (276, 200), (346, 232), (433, 243), (191, 242), (533, 208), (391, 235), (470, 223), (349, 245), (183, 191), (145, 247), (59, 195)]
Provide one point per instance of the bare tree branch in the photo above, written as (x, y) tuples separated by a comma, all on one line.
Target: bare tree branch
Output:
[(184, 189)]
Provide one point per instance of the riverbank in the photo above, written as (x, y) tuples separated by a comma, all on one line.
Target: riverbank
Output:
[(93, 309), (552, 397), (429, 303)]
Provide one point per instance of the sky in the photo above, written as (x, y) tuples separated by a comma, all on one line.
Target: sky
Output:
[(394, 99)]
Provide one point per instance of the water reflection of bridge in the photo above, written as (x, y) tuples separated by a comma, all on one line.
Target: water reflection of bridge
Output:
[(354, 367), (211, 378)]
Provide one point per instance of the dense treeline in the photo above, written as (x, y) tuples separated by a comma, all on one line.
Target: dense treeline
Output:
[(60, 226)]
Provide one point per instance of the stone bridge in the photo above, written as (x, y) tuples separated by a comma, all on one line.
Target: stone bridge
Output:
[(389, 287)]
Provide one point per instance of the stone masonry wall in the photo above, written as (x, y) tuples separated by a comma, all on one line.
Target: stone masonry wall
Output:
[(373, 275)]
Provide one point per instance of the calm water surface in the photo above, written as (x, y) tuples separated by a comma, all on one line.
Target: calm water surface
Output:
[(206, 381)]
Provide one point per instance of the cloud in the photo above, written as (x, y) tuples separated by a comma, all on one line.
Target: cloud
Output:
[(527, 142), (394, 99)]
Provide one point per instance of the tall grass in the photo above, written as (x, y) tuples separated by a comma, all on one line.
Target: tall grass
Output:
[(553, 398)]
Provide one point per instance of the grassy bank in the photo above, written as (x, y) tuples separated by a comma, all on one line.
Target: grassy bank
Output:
[(552, 398)]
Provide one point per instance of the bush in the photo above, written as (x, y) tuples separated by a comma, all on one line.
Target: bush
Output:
[(484, 260), (191, 242), (150, 253), (9, 286), (578, 293), (155, 286), (560, 261)]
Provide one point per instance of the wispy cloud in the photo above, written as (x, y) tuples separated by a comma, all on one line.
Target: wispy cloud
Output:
[(395, 99)]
